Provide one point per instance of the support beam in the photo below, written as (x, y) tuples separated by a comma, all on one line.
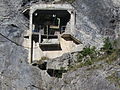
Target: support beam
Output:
[(46, 48), (30, 38), (72, 22), (39, 37)]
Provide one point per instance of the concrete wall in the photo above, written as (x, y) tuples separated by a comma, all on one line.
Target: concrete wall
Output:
[(67, 46)]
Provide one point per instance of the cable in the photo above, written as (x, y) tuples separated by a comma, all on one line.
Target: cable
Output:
[(13, 41)]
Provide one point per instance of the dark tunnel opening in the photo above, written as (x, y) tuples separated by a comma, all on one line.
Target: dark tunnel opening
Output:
[(47, 26), (54, 20), (56, 72)]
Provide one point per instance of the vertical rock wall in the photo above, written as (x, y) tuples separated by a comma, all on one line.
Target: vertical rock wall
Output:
[(94, 19)]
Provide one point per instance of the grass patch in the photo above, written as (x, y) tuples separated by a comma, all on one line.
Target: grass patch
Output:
[(79, 65), (109, 59), (108, 46), (112, 57), (114, 79), (89, 55), (93, 67), (87, 51)]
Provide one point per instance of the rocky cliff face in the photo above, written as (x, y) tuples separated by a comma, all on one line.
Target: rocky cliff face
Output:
[(95, 19), (15, 73), (97, 76)]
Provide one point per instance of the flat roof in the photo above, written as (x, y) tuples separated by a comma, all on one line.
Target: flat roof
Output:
[(51, 7)]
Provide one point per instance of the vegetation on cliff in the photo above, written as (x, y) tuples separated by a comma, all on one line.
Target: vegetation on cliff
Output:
[(90, 55)]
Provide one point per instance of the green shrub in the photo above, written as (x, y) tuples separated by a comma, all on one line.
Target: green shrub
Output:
[(111, 51), (44, 58), (88, 62), (89, 55), (79, 65), (80, 57), (108, 46), (112, 57), (87, 51)]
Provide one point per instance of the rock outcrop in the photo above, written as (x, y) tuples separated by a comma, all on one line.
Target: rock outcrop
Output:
[(95, 19)]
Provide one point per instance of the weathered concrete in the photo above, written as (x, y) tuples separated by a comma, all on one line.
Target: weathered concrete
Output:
[(17, 74), (67, 46)]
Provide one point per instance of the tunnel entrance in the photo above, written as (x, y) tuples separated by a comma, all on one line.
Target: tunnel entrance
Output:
[(51, 72), (48, 25), (50, 22), (56, 73)]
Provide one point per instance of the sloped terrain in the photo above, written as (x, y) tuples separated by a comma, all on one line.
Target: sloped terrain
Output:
[(95, 19)]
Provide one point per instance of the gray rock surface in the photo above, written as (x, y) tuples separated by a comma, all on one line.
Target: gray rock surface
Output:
[(60, 62), (96, 19), (64, 61), (15, 72), (93, 22), (85, 78)]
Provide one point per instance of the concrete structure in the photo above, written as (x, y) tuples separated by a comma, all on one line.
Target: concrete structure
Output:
[(47, 35)]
